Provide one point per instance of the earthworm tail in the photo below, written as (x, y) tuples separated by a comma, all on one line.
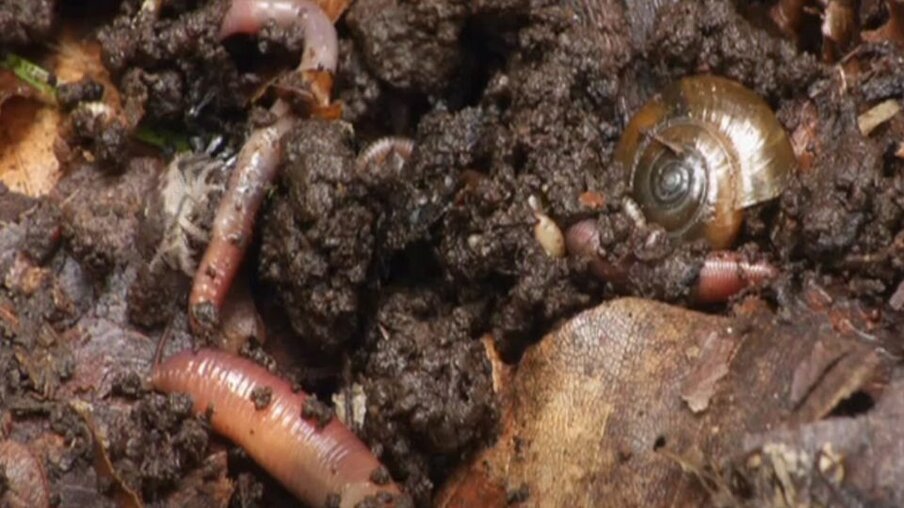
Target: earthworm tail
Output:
[(379, 150), (315, 464), (233, 225), (724, 274), (582, 239)]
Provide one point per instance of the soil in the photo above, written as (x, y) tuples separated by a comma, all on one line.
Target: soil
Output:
[(390, 278), (23, 23)]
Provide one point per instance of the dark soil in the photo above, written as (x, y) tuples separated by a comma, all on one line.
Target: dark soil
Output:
[(390, 278), (24, 23)]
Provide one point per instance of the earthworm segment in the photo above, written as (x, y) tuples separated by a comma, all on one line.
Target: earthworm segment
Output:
[(722, 275), (321, 464), (260, 157)]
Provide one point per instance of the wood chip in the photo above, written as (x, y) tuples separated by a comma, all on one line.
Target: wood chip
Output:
[(877, 115), (896, 301)]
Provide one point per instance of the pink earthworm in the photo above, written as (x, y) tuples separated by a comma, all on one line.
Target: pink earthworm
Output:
[(582, 240), (726, 273), (723, 274), (381, 149), (321, 48), (320, 465), (260, 157)]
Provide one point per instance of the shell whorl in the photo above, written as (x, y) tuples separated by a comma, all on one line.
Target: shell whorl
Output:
[(700, 152)]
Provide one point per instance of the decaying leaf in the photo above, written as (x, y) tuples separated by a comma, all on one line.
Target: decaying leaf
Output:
[(11, 87), (892, 29), (29, 130), (26, 481), (125, 495), (700, 384), (589, 405), (877, 115), (638, 403), (835, 462), (334, 8)]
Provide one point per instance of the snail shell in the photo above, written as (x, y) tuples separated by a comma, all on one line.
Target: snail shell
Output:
[(699, 153)]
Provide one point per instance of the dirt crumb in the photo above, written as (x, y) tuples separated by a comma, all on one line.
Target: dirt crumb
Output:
[(261, 396), (317, 235), (317, 411), (427, 382)]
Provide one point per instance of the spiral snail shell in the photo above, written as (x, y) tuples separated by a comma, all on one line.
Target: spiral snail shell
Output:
[(702, 151)]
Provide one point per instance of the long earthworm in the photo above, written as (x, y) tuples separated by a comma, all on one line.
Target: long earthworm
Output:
[(320, 465), (259, 159)]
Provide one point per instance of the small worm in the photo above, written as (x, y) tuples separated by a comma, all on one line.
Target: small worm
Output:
[(582, 240), (383, 148), (321, 47), (28, 487), (233, 225), (261, 155), (315, 464), (723, 274)]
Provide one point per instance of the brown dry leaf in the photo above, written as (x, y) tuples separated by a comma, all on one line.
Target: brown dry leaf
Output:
[(597, 414), (588, 405), (101, 349), (27, 483), (851, 461), (893, 29), (896, 301), (700, 384), (877, 115), (29, 130), (12, 87), (27, 133), (125, 495)]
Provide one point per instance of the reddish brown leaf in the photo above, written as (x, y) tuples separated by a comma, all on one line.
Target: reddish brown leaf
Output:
[(334, 8)]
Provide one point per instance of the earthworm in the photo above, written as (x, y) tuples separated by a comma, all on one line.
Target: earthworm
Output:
[(314, 463), (28, 487), (381, 149), (582, 240), (261, 155), (233, 225), (241, 321), (723, 274), (321, 48), (726, 273)]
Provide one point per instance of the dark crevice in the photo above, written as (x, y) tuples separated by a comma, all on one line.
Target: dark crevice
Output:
[(856, 404)]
